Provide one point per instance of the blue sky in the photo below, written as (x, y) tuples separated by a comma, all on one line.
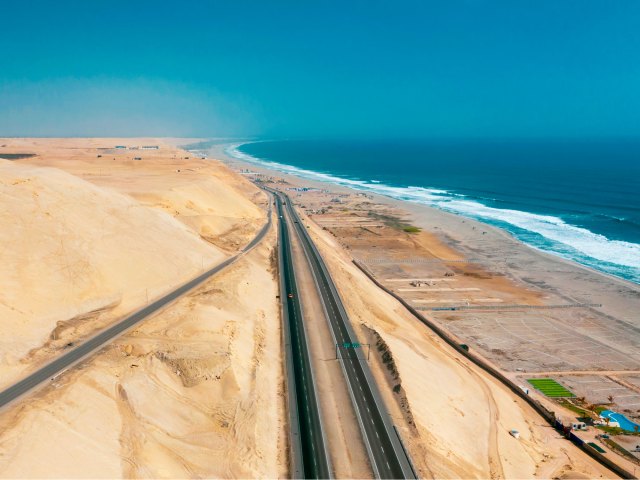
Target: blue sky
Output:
[(294, 68)]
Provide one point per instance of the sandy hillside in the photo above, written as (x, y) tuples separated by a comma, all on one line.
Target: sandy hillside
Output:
[(196, 391), (88, 235), (455, 418), (215, 202)]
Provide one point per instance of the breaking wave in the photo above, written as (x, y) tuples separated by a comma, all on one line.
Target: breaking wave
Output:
[(544, 232)]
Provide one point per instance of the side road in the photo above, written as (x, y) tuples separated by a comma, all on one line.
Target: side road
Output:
[(98, 341)]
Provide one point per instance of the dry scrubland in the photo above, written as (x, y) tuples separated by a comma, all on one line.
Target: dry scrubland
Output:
[(194, 391)]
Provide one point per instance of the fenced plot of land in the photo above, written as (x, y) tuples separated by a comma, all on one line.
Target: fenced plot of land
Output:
[(550, 387), (606, 390), (546, 340)]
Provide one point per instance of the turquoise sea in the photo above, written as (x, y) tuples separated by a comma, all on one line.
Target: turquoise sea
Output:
[(576, 199)]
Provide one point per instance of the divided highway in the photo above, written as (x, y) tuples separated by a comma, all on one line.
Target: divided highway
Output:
[(83, 350), (386, 453), (308, 439)]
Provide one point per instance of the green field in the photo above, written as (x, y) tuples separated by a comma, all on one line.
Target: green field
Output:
[(550, 387)]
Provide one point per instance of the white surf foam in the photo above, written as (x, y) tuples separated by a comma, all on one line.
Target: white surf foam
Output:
[(580, 244), (553, 228)]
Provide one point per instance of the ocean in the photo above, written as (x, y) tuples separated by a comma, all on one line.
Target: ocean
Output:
[(576, 199)]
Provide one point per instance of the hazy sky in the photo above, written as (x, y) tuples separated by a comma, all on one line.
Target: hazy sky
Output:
[(296, 68)]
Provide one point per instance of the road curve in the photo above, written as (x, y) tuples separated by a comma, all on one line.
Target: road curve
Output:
[(92, 345), (308, 438), (386, 452)]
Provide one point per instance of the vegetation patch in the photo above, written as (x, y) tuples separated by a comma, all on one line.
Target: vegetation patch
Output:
[(621, 450), (611, 430), (600, 408), (550, 387), (574, 408), (394, 222), (16, 156)]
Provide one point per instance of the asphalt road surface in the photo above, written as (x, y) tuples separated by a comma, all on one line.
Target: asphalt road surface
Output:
[(388, 457), (315, 460), (76, 354)]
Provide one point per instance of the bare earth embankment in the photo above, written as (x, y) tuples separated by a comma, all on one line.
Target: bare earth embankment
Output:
[(88, 234)]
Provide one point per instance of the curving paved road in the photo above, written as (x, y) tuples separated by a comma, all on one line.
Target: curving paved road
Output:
[(387, 455), (75, 355)]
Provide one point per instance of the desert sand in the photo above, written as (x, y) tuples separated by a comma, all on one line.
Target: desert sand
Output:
[(197, 390), (90, 234)]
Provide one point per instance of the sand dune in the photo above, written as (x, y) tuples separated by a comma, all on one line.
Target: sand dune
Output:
[(73, 253), (88, 233), (194, 392)]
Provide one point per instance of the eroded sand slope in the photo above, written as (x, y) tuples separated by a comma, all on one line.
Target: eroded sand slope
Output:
[(193, 392), (73, 252), (88, 234)]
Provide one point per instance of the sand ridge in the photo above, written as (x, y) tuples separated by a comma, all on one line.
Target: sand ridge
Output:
[(195, 391)]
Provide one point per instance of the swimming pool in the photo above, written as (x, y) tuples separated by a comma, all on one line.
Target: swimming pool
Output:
[(623, 421)]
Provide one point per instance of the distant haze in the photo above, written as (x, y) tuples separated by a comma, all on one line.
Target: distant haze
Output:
[(290, 68)]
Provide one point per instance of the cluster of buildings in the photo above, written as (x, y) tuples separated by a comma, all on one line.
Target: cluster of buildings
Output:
[(143, 147)]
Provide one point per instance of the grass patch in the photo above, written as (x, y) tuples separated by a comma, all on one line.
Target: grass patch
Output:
[(550, 387), (574, 408), (612, 430), (389, 220), (621, 450), (394, 222), (600, 408), (617, 431)]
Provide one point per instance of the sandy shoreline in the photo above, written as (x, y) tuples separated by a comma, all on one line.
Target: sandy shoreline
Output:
[(556, 281), (425, 216), (580, 340), (198, 389)]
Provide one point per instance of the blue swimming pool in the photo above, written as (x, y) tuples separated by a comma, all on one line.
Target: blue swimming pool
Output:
[(623, 421)]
